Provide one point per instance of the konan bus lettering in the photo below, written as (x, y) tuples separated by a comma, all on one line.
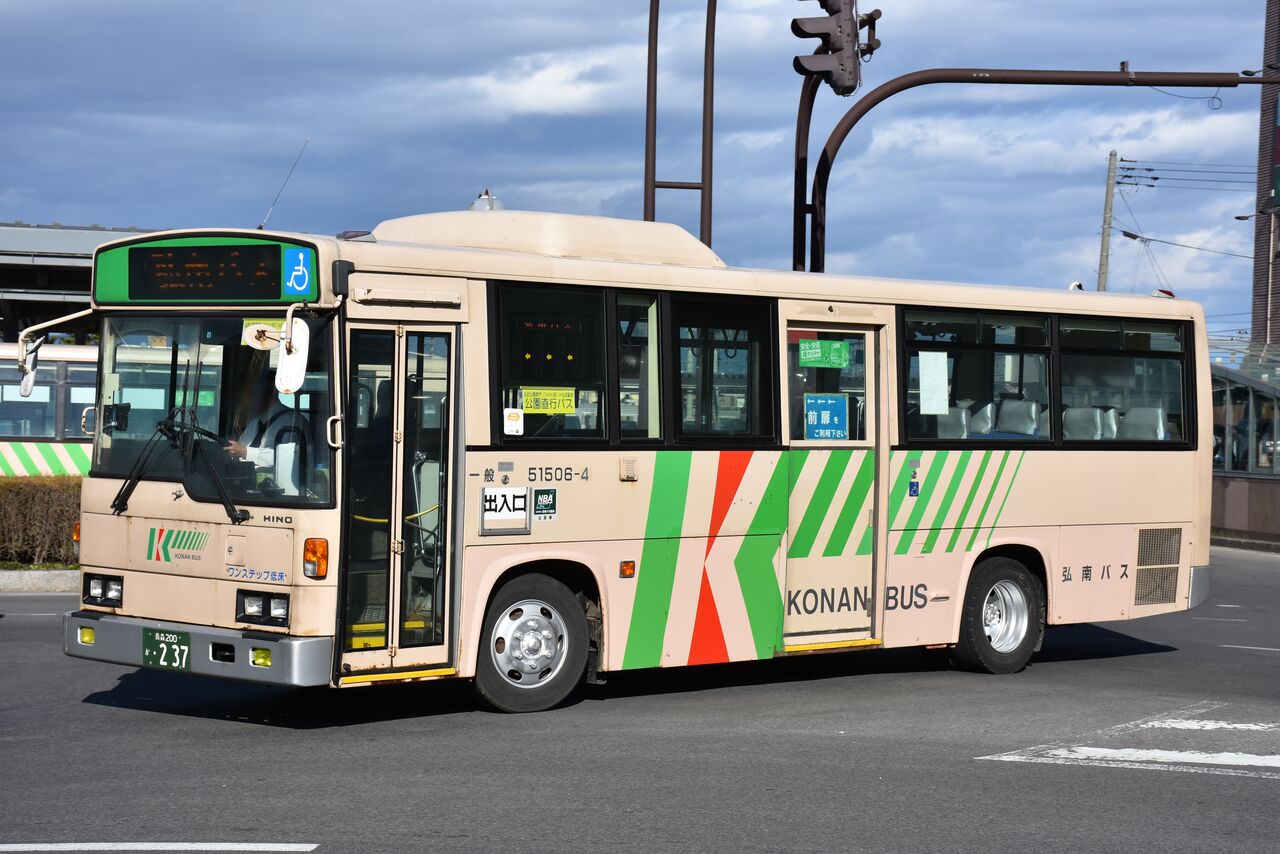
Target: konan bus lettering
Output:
[(832, 600)]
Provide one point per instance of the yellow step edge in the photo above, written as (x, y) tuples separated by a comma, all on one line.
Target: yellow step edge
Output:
[(845, 644), (392, 676)]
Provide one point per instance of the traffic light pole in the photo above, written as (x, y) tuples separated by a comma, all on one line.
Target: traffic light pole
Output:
[(800, 202), (816, 210)]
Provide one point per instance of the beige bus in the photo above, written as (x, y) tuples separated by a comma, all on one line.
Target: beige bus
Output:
[(530, 449)]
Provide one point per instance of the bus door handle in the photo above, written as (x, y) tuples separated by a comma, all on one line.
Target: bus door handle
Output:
[(84, 420), (333, 432)]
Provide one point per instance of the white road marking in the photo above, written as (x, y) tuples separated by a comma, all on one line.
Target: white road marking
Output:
[(1228, 606), (1193, 757), (1222, 619), (1200, 724), (157, 846), (1259, 648), (1085, 752)]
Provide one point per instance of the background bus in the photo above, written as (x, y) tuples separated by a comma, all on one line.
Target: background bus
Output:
[(42, 434)]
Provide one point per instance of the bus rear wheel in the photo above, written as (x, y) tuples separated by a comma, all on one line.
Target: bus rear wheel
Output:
[(1003, 617), (533, 648)]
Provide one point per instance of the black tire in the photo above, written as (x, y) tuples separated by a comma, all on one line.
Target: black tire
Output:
[(560, 613), (974, 650)]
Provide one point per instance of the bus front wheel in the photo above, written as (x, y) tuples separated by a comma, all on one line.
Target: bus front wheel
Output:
[(533, 649), (1003, 617)]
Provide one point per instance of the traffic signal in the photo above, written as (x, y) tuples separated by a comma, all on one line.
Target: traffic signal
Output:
[(840, 34)]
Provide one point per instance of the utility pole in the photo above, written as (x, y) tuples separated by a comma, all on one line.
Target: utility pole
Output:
[(1264, 223), (1104, 259)]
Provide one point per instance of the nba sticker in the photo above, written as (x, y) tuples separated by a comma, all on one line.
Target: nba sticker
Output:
[(544, 505)]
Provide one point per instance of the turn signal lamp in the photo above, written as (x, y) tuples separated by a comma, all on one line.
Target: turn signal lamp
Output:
[(315, 558), (75, 540), (87, 635), (627, 569), (260, 657)]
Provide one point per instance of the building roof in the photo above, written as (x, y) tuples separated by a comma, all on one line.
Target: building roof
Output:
[(55, 245)]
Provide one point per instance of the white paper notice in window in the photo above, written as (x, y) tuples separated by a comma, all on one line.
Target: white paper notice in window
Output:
[(933, 383)]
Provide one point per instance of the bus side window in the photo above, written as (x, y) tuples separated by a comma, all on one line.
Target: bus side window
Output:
[(724, 367), (551, 352), (639, 381)]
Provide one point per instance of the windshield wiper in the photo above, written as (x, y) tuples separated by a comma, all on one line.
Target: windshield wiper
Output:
[(235, 514), (120, 503)]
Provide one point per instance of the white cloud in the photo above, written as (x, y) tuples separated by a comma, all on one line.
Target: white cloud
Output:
[(1060, 142)]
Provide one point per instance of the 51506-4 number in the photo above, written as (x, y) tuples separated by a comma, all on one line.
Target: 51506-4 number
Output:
[(557, 474)]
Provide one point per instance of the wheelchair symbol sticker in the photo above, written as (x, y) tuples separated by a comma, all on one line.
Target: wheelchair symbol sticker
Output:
[(297, 271)]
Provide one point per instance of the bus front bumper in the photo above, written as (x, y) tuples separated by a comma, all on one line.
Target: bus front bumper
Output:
[(226, 653)]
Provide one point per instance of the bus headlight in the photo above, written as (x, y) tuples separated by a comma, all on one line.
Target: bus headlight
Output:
[(265, 609), (105, 590)]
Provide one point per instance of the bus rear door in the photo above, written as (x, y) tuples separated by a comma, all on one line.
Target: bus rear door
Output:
[(836, 459)]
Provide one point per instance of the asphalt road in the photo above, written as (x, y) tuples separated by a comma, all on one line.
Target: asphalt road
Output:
[(1155, 735)]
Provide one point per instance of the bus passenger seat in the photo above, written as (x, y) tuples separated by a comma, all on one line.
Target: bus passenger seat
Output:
[(1082, 423), (1043, 427), (982, 418), (1019, 416), (954, 425), (1145, 423), (1110, 421)]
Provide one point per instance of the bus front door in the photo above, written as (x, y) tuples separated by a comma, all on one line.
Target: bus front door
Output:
[(833, 426), (396, 584)]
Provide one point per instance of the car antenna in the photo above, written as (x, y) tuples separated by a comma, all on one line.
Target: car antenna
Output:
[(263, 224)]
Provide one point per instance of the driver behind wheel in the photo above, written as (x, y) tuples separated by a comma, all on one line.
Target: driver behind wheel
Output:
[(273, 436)]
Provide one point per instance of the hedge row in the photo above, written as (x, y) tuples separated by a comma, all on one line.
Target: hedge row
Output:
[(37, 515)]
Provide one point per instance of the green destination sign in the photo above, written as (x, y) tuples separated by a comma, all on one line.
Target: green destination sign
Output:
[(218, 270), (823, 354)]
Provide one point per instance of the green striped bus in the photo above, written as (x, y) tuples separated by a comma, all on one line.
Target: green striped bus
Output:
[(50, 432)]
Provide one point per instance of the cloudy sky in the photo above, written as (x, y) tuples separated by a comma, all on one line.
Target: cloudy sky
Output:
[(172, 114)]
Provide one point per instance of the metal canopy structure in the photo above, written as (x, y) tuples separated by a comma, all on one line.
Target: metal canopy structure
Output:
[(46, 268)]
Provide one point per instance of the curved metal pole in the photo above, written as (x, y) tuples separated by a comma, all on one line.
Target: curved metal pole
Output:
[(1014, 76), (800, 202)]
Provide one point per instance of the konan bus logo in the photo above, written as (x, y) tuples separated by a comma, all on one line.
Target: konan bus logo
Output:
[(165, 544)]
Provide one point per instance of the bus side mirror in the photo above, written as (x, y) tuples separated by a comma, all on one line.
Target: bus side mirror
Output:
[(28, 359), (294, 351)]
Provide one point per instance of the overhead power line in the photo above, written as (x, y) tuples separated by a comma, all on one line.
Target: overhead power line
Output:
[(1163, 169), (1177, 163), (1144, 239), (1184, 187)]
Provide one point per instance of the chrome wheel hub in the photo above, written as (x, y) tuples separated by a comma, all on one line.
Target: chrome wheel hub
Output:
[(1006, 616), (528, 643)]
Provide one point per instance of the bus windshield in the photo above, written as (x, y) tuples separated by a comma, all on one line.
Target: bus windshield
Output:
[(197, 374)]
